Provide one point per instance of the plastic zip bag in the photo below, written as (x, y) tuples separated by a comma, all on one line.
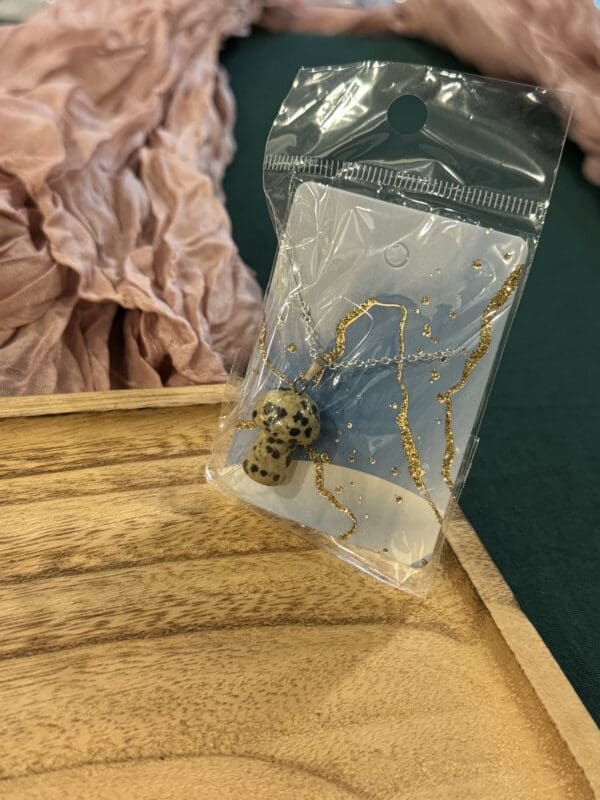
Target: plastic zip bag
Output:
[(408, 203)]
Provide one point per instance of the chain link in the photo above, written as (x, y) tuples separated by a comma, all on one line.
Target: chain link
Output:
[(311, 335), (427, 358)]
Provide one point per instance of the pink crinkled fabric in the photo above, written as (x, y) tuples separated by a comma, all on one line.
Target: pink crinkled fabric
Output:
[(117, 266), (553, 43)]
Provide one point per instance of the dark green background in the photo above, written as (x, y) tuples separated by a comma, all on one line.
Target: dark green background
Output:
[(532, 494)]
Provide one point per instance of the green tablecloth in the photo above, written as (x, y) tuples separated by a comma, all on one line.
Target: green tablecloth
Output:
[(533, 491)]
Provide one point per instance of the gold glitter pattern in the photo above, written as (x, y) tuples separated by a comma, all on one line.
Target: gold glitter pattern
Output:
[(435, 376), (401, 327), (477, 264), (262, 346), (319, 460), (427, 330), (425, 300), (245, 424), (413, 459), (291, 347), (340, 332), (507, 289), (452, 314)]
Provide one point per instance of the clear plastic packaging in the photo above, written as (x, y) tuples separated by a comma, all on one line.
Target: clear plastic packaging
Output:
[(408, 202)]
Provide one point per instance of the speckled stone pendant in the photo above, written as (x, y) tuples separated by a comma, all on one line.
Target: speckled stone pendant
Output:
[(286, 419)]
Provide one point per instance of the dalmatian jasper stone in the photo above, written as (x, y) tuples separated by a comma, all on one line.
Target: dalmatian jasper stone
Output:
[(285, 419)]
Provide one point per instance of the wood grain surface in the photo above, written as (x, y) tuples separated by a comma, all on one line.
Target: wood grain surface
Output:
[(36, 405), (159, 641)]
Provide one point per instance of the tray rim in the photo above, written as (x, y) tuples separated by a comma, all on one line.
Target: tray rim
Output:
[(115, 400)]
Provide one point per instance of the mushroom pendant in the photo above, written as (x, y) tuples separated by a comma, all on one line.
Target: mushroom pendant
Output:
[(286, 419)]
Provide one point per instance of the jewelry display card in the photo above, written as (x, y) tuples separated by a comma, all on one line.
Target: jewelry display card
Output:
[(399, 403)]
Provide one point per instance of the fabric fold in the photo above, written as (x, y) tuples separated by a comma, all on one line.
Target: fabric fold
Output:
[(117, 264)]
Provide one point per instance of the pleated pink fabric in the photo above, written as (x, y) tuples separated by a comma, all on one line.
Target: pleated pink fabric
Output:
[(117, 266), (552, 43)]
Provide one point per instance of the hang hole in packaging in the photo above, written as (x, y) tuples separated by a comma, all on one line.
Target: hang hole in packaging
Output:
[(407, 114)]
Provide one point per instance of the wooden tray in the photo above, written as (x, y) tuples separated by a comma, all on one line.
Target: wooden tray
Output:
[(159, 641)]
